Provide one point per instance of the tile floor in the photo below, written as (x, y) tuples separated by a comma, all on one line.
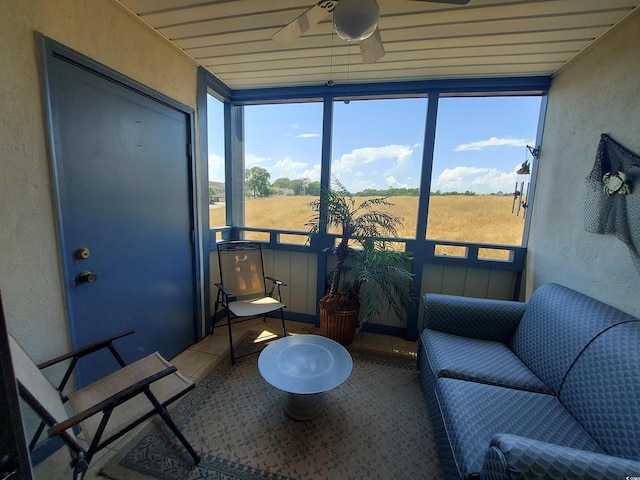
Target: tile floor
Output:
[(199, 359)]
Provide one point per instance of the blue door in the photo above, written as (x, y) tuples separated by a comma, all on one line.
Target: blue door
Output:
[(122, 180)]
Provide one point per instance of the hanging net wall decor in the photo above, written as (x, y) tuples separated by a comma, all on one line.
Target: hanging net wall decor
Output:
[(612, 207)]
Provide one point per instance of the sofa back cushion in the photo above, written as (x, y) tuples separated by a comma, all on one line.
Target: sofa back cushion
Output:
[(602, 390), (481, 318), (556, 326)]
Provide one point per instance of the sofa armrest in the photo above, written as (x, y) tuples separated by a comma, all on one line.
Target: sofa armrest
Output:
[(480, 318), (511, 456)]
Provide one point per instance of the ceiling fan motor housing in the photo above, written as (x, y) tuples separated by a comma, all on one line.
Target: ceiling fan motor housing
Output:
[(356, 20)]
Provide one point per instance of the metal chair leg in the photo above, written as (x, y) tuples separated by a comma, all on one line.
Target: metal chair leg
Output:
[(284, 328), (162, 411), (215, 313), (80, 467), (233, 358)]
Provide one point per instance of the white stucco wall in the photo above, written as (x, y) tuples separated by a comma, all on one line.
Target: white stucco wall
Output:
[(598, 92), (30, 279)]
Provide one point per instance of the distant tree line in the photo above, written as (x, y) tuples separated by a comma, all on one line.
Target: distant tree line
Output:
[(389, 192), (499, 193), (257, 182), (299, 186)]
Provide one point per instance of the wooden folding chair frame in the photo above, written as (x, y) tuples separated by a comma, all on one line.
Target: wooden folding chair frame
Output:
[(143, 387)]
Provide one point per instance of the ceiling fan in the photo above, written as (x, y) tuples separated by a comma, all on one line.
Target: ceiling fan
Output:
[(353, 20)]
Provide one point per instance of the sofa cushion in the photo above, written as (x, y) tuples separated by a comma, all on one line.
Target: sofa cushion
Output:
[(557, 325), (511, 456), (477, 360), (602, 390), (482, 318), (473, 413)]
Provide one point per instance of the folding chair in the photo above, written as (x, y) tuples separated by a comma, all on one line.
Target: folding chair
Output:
[(242, 290), (106, 409)]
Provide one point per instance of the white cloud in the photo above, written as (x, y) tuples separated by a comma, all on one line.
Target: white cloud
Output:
[(369, 158), (313, 173), (493, 142), (251, 160), (291, 169), (287, 164), (216, 168), (360, 183), (478, 180), (393, 182), (376, 167), (308, 135)]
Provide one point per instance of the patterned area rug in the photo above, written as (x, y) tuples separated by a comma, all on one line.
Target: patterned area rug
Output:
[(374, 425)]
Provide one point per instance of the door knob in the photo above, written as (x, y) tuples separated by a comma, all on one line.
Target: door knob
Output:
[(82, 253), (86, 277)]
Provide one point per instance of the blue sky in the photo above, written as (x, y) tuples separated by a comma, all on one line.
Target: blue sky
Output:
[(480, 142)]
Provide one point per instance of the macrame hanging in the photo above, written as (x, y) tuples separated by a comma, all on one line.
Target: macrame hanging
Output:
[(611, 207)]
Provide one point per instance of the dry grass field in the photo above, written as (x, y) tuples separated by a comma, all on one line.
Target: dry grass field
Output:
[(483, 219)]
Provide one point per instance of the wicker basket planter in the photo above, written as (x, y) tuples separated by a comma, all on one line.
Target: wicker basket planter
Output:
[(339, 325)]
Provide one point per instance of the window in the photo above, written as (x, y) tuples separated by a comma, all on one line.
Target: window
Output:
[(283, 148), (480, 177), (377, 151), (479, 184), (215, 134)]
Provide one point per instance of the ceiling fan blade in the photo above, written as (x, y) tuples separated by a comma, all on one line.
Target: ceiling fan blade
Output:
[(452, 2), (372, 48), (304, 22)]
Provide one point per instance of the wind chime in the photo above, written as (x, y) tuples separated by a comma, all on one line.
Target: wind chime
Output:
[(521, 191)]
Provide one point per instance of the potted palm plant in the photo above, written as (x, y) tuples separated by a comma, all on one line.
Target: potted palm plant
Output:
[(369, 274)]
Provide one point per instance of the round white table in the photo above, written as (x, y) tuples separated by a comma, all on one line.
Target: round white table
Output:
[(304, 366)]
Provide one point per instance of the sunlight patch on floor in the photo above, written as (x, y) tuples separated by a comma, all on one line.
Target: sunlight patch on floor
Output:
[(265, 336)]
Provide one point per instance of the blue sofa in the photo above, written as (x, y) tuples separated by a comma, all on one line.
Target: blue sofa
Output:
[(544, 389)]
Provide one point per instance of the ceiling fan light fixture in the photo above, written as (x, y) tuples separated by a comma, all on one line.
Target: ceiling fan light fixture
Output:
[(356, 20)]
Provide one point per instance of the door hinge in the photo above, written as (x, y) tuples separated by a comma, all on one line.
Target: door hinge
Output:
[(193, 236), (189, 154)]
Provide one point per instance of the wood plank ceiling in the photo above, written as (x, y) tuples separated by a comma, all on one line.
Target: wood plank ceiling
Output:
[(485, 38)]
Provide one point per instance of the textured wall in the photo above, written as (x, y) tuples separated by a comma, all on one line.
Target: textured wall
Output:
[(30, 279), (598, 92)]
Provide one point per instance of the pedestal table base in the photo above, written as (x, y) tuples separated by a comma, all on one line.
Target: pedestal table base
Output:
[(303, 406)]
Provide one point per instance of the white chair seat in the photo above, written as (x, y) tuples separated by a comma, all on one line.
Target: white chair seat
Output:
[(253, 307)]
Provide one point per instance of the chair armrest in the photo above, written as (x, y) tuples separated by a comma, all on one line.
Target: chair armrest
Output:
[(86, 350), (276, 281), (480, 318), (113, 401), (511, 456), (226, 292)]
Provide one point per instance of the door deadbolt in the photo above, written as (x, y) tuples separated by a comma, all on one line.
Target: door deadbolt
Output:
[(82, 253), (86, 277)]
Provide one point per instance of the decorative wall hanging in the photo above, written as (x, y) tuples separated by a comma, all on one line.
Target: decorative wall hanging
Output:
[(610, 206), (520, 192)]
